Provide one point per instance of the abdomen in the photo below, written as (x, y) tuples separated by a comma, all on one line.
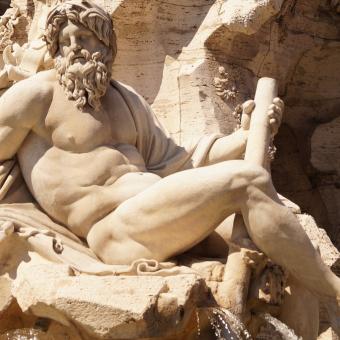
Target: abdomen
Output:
[(78, 189)]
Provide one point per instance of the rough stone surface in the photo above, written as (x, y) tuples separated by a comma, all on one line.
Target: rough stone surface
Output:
[(329, 253), (248, 16), (121, 307), (6, 297), (108, 307)]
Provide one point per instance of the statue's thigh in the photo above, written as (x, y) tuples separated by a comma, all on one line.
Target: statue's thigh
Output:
[(176, 213)]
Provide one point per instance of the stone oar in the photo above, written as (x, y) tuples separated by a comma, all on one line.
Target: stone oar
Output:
[(233, 291)]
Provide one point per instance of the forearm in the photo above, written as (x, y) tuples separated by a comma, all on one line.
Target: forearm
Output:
[(227, 148)]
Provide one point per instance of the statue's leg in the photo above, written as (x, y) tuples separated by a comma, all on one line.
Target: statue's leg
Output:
[(276, 231), (300, 310), (181, 210), (172, 215), (216, 245)]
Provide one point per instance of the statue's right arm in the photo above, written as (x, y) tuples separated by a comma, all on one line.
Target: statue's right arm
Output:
[(21, 107)]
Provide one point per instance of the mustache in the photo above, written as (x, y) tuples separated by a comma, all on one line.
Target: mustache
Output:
[(77, 54)]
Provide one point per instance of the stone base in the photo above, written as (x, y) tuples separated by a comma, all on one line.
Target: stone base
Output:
[(104, 307), (40, 296)]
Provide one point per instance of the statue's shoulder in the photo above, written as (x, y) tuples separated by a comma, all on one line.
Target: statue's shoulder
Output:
[(38, 86), (34, 95), (44, 80), (129, 94)]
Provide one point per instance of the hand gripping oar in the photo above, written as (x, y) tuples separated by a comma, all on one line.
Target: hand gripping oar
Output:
[(233, 290)]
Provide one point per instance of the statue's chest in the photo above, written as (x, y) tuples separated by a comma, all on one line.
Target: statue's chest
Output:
[(76, 131)]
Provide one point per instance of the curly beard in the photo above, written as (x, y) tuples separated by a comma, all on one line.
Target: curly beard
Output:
[(85, 83)]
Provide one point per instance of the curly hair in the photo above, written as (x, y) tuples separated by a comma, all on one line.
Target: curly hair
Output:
[(84, 12)]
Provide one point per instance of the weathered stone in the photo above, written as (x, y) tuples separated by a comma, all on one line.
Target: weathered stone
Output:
[(6, 297), (248, 16), (108, 307)]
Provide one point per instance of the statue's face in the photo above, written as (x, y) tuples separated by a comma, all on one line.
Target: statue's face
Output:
[(73, 38), (83, 64)]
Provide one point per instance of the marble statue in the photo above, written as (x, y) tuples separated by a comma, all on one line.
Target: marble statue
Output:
[(21, 62), (96, 160)]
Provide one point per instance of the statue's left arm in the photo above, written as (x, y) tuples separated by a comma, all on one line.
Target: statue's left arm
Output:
[(164, 157), (228, 147)]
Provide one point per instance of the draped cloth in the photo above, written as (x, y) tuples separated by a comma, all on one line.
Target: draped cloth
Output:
[(20, 215), (159, 151)]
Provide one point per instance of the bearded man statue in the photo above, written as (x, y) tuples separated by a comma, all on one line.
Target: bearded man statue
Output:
[(83, 76)]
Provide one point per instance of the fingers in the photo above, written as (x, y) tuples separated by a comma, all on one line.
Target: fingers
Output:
[(248, 107), (289, 204), (275, 112), (279, 102), (6, 229)]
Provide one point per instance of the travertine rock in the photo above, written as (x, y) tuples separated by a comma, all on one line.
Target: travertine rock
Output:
[(152, 305), (6, 297), (325, 158), (329, 253), (108, 307), (248, 16)]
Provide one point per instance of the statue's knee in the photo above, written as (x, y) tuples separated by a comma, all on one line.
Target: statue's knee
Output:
[(254, 175), (94, 241), (113, 245), (103, 246), (261, 177)]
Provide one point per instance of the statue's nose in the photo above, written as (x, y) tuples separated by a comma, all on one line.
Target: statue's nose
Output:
[(75, 47), (75, 44)]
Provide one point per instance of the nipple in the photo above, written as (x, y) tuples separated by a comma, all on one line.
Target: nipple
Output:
[(70, 138)]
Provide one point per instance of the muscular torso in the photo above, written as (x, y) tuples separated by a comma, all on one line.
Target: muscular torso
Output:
[(80, 166)]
